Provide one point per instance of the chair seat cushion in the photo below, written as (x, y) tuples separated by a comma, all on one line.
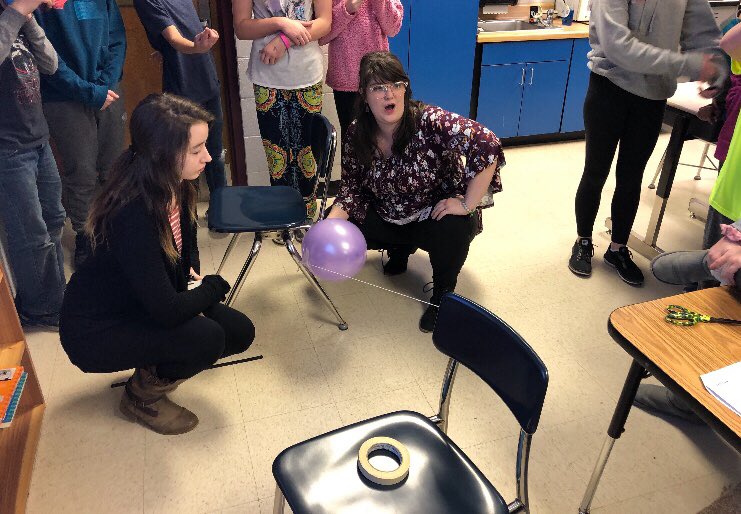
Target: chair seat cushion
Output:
[(321, 475), (255, 209)]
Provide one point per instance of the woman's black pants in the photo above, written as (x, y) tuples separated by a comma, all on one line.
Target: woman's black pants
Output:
[(611, 116), (446, 241), (176, 353)]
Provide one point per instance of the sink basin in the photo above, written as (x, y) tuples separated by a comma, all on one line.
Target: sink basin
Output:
[(505, 25)]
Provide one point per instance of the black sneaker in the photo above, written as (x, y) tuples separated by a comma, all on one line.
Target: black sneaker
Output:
[(582, 252), (428, 319), (623, 263)]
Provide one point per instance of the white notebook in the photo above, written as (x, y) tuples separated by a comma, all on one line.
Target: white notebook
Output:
[(725, 385)]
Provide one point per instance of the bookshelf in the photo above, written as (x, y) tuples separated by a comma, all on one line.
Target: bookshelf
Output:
[(19, 441)]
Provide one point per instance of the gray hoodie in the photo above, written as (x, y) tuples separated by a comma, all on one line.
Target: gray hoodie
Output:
[(644, 46)]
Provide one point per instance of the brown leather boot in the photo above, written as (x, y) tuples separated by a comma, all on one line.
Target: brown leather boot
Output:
[(144, 400)]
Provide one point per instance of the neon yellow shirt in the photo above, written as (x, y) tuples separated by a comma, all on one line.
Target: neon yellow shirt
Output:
[(726, 195)]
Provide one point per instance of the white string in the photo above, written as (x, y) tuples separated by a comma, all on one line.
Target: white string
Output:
[(369, 284)]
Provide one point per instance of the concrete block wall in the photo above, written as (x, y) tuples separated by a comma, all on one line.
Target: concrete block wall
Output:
[(257, 167)]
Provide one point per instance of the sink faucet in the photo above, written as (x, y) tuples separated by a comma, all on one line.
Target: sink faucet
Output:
[(548, 22)]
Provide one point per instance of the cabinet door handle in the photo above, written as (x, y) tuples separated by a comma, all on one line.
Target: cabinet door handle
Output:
[(522, 77), (532, 75)]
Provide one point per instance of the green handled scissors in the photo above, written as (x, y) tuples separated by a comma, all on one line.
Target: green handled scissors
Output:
[(679, 315)]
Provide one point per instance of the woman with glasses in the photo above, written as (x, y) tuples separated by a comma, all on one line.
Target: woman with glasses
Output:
[(413, 176), (358, 27)]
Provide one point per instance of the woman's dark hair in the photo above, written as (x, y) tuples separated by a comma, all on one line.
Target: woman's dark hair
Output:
[(381, 68), (151, 167)]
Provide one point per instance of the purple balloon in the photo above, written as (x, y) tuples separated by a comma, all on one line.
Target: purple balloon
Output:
[(334, 249)]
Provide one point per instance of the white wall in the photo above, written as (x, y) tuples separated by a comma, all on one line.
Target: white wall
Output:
[(257, 168)]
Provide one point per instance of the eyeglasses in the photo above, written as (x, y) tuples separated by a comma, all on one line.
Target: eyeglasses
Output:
[(382, 89)]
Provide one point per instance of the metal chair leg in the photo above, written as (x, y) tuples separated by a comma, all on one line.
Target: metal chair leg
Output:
[(232, 244), (237, 287), (652, 185), (341, 323), (702, 161), (279, 502)]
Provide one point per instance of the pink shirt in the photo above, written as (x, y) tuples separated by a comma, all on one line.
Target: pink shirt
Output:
[(354, 35)]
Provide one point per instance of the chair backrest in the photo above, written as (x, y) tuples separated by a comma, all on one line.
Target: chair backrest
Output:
[(323, 146), (489, 347)]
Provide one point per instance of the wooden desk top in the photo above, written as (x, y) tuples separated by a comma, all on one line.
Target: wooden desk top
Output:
[(685, 353)]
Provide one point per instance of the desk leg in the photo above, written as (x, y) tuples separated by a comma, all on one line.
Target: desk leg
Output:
[(647, 246), (636, 373)]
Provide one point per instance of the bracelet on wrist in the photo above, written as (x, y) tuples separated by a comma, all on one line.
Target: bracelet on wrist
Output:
[(463, 203), (285, 40)]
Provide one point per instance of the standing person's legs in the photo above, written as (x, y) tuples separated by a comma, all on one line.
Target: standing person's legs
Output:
[(74, 130), (344, 101), (215, 176), (111, 132), (604, 116), (283, 119), (636, 145), (32, 214)]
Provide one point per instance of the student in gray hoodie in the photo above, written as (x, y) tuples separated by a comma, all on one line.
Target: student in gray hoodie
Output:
[(640, 48)]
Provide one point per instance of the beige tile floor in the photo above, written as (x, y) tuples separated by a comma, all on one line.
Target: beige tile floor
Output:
[(314, 378)]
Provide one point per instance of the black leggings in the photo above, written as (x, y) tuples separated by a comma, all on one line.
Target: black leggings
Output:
[(447, 242), (344, 101), (177, 353), (613, 115)]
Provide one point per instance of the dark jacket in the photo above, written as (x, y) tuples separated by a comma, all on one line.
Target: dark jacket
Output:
[(130, 277)]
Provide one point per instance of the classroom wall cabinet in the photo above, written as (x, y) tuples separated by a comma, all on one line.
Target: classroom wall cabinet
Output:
[(531, 88), (437, 44), (522, 86), (573, 116)]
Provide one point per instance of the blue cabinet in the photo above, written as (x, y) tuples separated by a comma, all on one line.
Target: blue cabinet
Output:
[(399, 44), (501, 111), (437, 45), (576, 91), (542, 98), (518, 95)]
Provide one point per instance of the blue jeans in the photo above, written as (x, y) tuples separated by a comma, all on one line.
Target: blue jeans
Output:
[(31, 212)]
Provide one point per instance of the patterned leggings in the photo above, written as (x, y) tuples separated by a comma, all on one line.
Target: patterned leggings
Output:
[(283, 118)]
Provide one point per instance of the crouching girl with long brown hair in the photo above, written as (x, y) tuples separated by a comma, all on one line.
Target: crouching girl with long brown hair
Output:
[(129, 305)]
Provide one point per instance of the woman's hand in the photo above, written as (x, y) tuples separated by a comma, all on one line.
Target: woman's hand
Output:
[(448, 206), (194, 275), (273, 51), (297, 31)]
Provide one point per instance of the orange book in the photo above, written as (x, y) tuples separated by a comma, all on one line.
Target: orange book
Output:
[(8, 381)]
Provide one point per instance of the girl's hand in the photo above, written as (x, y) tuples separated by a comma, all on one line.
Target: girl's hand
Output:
[(273, 51), (297, 31), (448, 206), (194, 275), (352, 6)]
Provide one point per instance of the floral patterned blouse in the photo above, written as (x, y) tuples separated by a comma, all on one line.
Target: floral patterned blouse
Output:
[(445, 153)]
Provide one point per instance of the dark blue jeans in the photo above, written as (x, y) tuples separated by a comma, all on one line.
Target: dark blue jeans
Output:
[(31, 212), (215, 177)]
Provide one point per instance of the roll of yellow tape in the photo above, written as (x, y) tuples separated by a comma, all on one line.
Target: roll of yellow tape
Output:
[(376, 475)]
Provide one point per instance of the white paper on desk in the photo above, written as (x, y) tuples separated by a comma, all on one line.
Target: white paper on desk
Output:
[(725, 385)]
